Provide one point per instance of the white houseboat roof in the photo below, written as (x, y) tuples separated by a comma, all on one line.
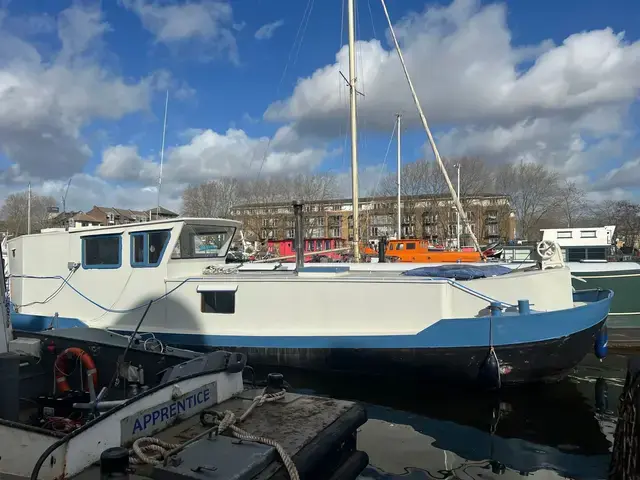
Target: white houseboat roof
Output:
[(224, 222), (586, 236)]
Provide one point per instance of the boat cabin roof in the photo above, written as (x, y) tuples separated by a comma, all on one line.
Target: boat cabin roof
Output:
[(578, 237), (223, 222)]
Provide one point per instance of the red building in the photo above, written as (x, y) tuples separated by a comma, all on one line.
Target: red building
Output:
[(284, 248)]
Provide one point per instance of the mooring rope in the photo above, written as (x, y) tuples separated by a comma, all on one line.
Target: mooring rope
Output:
[(150, 450), (153, 451), (226, 420), (626, 447)]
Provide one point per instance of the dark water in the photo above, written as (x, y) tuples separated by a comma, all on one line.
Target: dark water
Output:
[(418, 431)]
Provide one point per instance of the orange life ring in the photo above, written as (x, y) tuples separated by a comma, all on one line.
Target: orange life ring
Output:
[(60, 366)]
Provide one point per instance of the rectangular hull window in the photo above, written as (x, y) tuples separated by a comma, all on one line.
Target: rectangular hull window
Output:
[(102, 251), (218, 302)]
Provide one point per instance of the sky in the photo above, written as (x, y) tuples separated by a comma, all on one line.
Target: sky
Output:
[(255, 89)]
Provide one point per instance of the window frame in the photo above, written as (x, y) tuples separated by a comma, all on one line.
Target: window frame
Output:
[(588, 234), (111, 266), (208, 309), (145, 248)]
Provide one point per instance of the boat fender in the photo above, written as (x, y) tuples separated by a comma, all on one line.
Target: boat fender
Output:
[(601, 344), (61, 371), (489, 372)]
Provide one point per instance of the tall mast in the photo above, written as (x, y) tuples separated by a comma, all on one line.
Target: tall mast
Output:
[(457, 212), (354, 129), (164, 131), (29, 210), (425, 125), (399, 179)]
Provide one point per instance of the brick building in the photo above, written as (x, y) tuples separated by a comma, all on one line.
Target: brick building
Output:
[(431, 217)]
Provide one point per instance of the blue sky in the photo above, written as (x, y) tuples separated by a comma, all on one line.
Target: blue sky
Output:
[(83, 87)]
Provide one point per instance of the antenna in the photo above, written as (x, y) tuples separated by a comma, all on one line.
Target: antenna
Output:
[(64, 197), (164, 131)]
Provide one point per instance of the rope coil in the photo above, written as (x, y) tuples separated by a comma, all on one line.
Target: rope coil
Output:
[(153, 451), (150, 450)]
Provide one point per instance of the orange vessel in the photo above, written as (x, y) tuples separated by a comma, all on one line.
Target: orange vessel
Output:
[(418, 251)]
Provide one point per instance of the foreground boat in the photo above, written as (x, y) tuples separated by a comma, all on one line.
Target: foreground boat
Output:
[(156, 414), (527, 324)]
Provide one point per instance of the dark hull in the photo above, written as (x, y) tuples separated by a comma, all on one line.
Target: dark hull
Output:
[(548, 360)]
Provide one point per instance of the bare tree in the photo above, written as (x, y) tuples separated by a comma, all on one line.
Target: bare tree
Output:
[(624, 215), (15, 208), (571, 205), (422, 178), (211, 199), (533, 190), (316, 187), (216, 197)]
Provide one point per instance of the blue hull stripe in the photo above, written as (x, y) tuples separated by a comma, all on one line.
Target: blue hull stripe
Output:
[(447, 333)]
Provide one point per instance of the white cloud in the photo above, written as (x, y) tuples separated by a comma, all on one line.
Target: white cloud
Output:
[(209, 22), (266, 31), (208, 155), (87, 190), (466, 70), (560, 142), (122, 162), (78, 28), (626, 175), (162, 80), (565, 105), (44, 104)]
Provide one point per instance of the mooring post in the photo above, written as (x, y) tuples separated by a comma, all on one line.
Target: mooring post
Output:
[(298, 236), (625, 458), (382, 247)]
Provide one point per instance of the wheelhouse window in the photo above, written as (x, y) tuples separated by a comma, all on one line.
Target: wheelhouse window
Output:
[(577, 254), (147, 248), (102, 251), (203, 241)]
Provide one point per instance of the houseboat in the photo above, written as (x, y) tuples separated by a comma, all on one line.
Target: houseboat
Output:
[(413, 250), (308, 316), (595, 262)]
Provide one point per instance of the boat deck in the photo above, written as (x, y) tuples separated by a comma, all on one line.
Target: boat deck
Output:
[(341, 272), (317, 432)]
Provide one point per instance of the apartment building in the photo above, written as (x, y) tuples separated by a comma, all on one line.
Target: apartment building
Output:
[(431, 217)]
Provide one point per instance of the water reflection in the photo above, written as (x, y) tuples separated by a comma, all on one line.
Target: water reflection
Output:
[(418, 431)]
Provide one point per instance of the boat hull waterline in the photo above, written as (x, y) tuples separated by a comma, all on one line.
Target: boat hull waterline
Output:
[(531, 347)]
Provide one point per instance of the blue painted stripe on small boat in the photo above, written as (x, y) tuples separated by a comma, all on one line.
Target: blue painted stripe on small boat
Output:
[(446, 333), (37, 323)]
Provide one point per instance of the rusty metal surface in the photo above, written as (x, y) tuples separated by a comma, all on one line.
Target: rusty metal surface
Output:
[(293, 421)]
